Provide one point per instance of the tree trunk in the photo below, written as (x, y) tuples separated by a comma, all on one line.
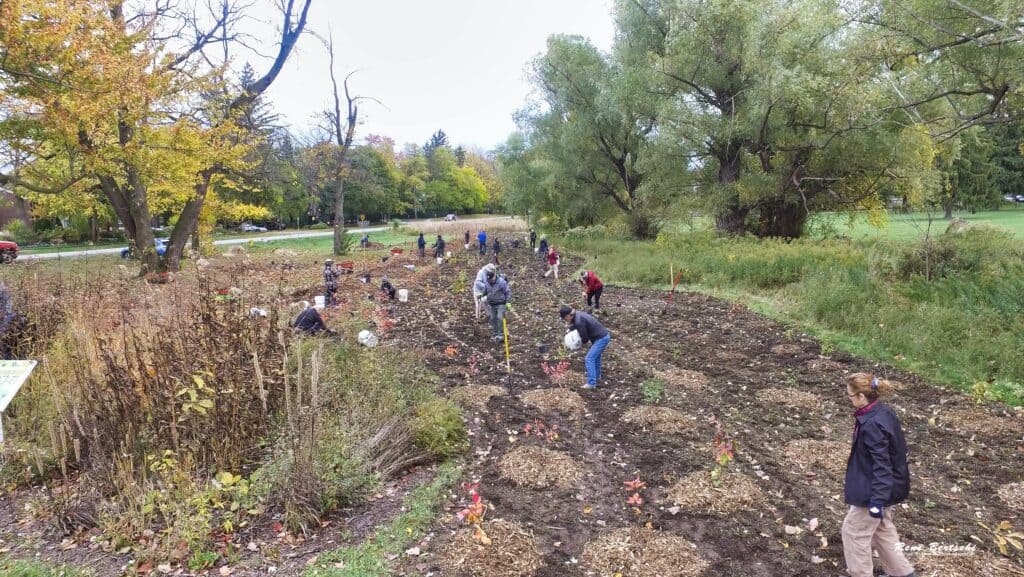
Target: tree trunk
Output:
[(339, 215), (732, 218), (947, 208), (188, 224), (781, 219)]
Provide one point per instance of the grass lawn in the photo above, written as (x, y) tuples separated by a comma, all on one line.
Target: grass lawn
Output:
[(915, 225)]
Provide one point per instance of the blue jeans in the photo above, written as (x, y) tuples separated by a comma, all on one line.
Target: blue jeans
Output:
[(593, 360)]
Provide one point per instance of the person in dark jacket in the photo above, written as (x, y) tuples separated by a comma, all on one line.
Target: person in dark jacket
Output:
[(877, 478), (496, 294), (309, 322), (388, 288), (533, 239), (438, 247), (592, 288), (543, 246), (467, 239), (481, 239), (421, 243), (497, 251), (590, 330)]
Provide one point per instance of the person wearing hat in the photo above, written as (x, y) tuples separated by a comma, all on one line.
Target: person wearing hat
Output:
[(592, 331), (877, 479), (497, 294), (543, 246), (479, 283), (592, 288), (421, 243), (331, 275)]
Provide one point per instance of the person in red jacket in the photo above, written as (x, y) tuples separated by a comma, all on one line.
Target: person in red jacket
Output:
[(592, 288), (552, 263)]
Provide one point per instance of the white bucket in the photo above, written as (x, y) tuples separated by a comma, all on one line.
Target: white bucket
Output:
[(403, 295), (448, 254), (440, 260), (467, 246), (536, 249), (319, 301)]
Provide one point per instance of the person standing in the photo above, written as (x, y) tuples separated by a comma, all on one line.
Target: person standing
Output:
[(877, 478), (590, 330), (592, 288), (553, 262), (481, 239), (479, 284), (331, 275), (533, 239), (422, 244), (543, 246), (365, 241), (497, 250), (438, 247), (497, 295), (467, 239)]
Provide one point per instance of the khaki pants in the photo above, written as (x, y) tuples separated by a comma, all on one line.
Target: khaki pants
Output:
[(552, 268), (476, 301), (862, 533)]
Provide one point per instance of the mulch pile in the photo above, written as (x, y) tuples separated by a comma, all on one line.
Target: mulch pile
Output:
[(682, 379), (812, 455), (640, 552), (477, 396), (557, 400), (539, 468), (696, 492), (660, 419), (512, 552), (968, 564), (793, 398)]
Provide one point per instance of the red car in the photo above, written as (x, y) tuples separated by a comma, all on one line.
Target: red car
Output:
[(8, 251)]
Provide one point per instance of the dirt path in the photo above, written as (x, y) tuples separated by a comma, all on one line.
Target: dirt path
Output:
[(779, 508)]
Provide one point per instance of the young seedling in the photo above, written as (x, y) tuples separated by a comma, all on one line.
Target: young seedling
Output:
[(635, 500), (723, 451), (548, 433), (555, 371), (474, 513)]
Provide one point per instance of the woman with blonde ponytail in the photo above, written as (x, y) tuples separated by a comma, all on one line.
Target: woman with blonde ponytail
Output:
[(877, 478)]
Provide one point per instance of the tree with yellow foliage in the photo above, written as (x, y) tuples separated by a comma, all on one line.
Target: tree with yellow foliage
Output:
[(110, 98)]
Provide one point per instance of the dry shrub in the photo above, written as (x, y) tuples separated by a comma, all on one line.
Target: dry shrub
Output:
[(513, 552), (558, 400), (978, 420), (696, 492), (639, 552), (971, 564), (1013, 495), (660, 419), (813, 455), (538, 467), (792, 398), (477, 396), (491, 225), (787, 350), (686, 380)]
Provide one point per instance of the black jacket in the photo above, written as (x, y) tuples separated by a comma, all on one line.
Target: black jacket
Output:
[(310, 322), (876, 471), (588, 327)]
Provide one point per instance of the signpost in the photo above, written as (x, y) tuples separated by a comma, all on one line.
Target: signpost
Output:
[(13, 375)]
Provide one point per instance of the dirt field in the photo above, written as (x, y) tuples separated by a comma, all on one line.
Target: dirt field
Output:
[(779, 507), (776, 395)]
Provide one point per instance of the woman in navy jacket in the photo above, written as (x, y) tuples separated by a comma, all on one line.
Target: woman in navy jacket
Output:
[(877, 478)]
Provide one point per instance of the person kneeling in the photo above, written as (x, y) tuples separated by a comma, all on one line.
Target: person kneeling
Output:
[(309, 322)]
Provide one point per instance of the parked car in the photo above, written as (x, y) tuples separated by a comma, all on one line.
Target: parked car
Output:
[(246, 227), (450, 218), (8, 251), (160, 243)]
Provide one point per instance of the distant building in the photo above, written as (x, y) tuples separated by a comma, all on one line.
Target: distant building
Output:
[(12, 207)]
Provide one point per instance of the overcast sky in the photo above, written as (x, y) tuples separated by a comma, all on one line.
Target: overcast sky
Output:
[(455, 65)]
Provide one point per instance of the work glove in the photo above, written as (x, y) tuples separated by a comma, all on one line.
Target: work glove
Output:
[(876, 510), (508, 307)]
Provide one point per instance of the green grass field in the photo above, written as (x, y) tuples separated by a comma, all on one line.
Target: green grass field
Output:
[(916, 225)]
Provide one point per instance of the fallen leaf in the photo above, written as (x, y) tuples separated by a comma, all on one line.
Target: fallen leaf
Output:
[(816, 560), (164, 568), (587, 510), (414, 551), (791, 530), (812, 524), (225, 570), (252, 546)]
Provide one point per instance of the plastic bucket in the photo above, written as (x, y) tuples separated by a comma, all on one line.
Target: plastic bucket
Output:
[(448, 254), (440, 260), (403, 295), (319, 301), (467, 246)]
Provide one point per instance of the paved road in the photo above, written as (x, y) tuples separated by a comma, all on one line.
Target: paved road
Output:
[(227, 241)]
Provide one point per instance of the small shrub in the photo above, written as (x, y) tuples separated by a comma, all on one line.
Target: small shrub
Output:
[(438, 429), (20, 232), (653, 389)]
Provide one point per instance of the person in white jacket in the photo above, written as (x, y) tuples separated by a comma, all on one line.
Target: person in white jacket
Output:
[(480, 284)]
